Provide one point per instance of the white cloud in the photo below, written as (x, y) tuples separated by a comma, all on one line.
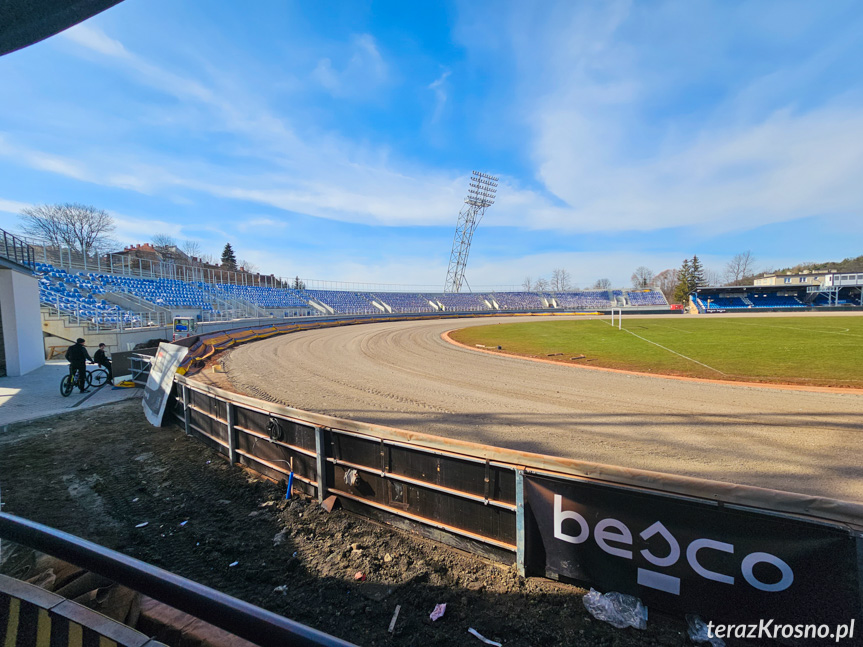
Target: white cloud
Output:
[(439, 88), (96, 40), (267, 224), (589, 96), (13, 207), (362, 73), (581, 90)]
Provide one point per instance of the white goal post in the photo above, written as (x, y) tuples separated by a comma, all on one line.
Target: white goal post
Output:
[(619, 318)]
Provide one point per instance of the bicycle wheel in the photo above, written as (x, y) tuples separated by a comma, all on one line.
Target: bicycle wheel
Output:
[(98, 377), (88, 379), (66, 386)]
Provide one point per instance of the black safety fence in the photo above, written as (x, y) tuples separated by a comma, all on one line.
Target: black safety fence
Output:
[(727, 552), (16, 250)]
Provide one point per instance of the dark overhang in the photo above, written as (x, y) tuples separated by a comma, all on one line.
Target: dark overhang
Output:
[(24, 22)]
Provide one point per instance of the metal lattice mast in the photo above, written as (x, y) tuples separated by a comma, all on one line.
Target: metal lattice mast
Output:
[(480, 196)]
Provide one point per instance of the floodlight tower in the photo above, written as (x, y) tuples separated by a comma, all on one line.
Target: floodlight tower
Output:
[(480, 196)]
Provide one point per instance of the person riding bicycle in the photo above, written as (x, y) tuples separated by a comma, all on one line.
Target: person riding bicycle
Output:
[(101, 358), (77, 356)]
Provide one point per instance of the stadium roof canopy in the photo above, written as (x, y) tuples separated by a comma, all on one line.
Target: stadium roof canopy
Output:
[(25, 22)]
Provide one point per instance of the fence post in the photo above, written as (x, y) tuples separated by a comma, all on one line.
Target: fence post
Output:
[(232, 433), (859, 537), (321, 465), (186, 421), (519, 521)]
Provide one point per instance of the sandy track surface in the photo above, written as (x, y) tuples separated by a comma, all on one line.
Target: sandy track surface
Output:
[(402, 374)]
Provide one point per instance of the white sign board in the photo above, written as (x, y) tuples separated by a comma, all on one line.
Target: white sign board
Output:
[(161, 378)]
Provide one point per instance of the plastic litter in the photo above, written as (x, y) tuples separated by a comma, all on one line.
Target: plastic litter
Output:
[(290, 486), (233, 564), (360, 576), (474, 632), (395, 617), (698, 632), (352, 477), (439, 610), (141, 525), (617, 609), (283, 589), (183, 523)]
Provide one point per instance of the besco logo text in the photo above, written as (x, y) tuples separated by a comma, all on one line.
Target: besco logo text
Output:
[(616, 538)]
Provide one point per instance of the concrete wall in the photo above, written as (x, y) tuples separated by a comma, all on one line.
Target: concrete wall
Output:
[(21, 321)]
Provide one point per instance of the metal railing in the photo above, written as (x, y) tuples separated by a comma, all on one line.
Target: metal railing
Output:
[(17, 250), (76, 314), (242, 619)]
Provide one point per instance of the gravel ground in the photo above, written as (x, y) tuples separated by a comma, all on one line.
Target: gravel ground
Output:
[(403, 374)]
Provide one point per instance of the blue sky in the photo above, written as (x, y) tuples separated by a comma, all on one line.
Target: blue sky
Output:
[(334, 140)]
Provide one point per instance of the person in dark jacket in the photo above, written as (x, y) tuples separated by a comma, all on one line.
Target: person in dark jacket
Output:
[(77, 356), (102, 360)]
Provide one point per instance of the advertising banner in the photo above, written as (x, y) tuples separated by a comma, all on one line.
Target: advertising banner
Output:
[(160, 381), (692, 556)]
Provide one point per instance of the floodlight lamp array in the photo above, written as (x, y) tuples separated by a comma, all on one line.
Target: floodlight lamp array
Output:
[(482, 191)]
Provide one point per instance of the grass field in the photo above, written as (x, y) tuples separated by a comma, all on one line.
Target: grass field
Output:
[(815, 351)]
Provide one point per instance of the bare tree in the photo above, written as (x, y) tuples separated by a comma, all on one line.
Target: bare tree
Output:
[(602, 284), (527, 284), (560, 280), (742, 265), (711, 277), (540, 285), (192, 249), (44, 222), (666, 281), (78, 226), (642, 277), (247, 266), (163, 241)]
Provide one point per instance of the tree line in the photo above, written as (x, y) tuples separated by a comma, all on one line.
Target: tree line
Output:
[(560, 281)]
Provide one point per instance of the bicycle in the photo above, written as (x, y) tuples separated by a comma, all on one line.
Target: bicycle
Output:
[(97, 377)]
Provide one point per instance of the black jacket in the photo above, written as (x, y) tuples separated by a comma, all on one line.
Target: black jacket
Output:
[(100, 357), (77, 354)]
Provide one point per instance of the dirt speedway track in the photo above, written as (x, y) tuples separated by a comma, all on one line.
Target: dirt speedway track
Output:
[(403, 374)]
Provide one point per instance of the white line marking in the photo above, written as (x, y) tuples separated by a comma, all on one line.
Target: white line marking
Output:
[(675, 352), (816, 331)]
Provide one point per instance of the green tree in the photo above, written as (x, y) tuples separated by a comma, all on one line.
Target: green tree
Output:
[(685, 283), (298, 285), (229, 260), (697, 279)]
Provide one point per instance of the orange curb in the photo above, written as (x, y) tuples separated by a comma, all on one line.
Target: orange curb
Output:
[(764, 385)]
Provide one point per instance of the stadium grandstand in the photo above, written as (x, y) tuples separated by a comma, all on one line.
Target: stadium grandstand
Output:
[(406, 302), (151, 294), (461, 301), (831, 291), (520, 301), (147, 296)]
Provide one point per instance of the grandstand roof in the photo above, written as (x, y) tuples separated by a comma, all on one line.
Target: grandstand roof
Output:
[(24, 22)]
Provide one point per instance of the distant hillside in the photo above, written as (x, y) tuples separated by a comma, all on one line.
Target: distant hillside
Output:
[(847, 265)]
